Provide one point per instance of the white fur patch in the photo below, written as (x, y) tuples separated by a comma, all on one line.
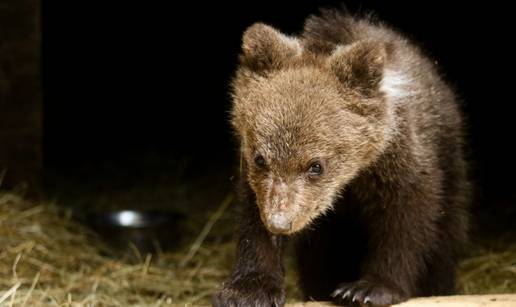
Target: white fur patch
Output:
[(396, 84)]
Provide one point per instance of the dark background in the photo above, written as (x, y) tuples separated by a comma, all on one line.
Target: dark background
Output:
[(125, 80)]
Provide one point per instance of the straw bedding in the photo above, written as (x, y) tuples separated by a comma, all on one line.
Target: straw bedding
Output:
[(48, 259)]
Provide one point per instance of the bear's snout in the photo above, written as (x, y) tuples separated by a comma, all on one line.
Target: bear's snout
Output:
[(279, 223)]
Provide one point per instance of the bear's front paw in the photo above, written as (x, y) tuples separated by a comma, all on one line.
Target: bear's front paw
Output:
[(253, 290), (367, 293)]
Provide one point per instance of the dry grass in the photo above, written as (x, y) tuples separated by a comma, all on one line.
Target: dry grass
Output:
[(489, 269), (47, 259)]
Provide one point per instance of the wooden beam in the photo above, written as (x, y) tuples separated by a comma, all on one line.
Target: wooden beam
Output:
[(498, 300), (20, 94)]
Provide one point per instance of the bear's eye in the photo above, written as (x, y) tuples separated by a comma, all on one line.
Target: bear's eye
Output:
[(259, 160), (315, 168)]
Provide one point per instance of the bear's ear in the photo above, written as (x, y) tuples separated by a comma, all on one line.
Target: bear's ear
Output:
[(360, 66), (265, 48)]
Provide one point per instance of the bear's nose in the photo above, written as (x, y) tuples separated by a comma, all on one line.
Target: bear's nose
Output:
[(279, 222)]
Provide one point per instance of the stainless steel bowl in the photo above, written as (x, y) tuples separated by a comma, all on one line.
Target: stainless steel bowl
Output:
[(149, 231)]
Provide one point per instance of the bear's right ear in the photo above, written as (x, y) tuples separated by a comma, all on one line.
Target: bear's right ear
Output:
[(265, 48)]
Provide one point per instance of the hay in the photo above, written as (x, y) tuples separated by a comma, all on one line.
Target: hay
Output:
[(48, 259), (489, 270)]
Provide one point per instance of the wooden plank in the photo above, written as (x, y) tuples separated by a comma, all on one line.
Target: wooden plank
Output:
[(498, 300), (20, 94)]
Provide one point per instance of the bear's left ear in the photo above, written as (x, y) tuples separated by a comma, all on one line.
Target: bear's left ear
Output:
[(359, 66), (265, 48)]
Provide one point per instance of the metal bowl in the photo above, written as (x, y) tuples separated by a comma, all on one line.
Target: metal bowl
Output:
[(148, 231)]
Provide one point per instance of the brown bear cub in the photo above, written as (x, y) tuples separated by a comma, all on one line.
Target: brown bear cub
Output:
[(352, 141)]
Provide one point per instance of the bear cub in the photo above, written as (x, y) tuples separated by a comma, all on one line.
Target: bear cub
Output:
[(351, 145)]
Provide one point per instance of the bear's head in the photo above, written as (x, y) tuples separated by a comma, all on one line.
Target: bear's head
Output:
[(307, 123)]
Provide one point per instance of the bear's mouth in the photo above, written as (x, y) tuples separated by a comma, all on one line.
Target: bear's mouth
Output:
[(279, 223), (283, 223)]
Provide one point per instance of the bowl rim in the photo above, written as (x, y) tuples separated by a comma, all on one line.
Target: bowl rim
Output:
[(131, 218)]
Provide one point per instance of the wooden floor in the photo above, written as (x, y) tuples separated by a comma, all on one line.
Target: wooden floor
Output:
[(505, 300)]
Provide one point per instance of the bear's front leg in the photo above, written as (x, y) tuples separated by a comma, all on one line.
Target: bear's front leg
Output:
[(252, 289), (401, 235), (257, 279)]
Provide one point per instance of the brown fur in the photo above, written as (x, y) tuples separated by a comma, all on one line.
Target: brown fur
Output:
[(385, 219)]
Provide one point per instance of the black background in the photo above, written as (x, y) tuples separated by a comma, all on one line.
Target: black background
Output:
[(124, 78)]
